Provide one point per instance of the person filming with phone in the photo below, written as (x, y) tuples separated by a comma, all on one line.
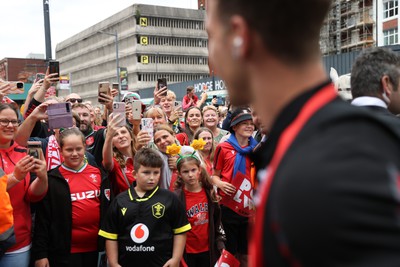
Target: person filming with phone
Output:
[(17, 164)]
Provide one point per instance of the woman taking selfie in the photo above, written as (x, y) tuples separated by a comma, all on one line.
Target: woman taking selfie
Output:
[(68, 218), (118, 152), (17, 165)]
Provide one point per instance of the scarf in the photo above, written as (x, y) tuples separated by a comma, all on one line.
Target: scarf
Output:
[(240, 160), (53, 155)]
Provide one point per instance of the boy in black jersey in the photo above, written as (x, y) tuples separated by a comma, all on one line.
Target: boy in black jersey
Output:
[(145, 225)]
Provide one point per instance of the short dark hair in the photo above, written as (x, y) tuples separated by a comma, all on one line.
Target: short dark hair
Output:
[(369, 68), (189, 89), (290, 29), (147, 157)]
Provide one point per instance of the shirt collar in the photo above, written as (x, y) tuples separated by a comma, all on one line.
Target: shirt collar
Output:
[(134, 196), (368, 101)]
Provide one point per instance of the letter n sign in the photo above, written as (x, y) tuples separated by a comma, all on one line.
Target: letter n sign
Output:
[(143, 22)]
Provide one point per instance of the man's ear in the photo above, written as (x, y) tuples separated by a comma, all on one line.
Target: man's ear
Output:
[(134, 174), (387, 86)]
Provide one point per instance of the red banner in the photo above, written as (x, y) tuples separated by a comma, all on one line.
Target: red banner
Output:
[(227, 260), (242, 201)]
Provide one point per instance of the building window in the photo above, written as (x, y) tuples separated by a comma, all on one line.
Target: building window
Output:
[(390, 8), (390, 37)]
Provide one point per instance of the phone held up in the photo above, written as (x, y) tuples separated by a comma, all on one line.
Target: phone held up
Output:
[(104, 87), (161, 83), (54, 67), (60, 115), (136, 109), (14, 87), (34, 149), (119, 108), (147, 125)]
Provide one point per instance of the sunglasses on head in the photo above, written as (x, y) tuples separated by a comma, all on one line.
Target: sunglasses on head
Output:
[(74, 100)]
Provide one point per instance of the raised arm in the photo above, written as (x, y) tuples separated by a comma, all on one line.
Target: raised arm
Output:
[(25, 129), (112, 128)]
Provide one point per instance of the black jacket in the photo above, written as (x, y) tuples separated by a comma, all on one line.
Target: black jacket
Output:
[(53, 223), (334, 199), (215, 229)]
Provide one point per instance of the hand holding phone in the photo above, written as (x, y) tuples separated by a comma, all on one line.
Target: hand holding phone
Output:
[(54, 67), (34, 149), (136, 109), (119, 108), (104, 87), (59, 115), (161, 83), (147, 125)]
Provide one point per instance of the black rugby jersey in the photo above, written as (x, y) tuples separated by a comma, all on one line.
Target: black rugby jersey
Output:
[(144, 227)]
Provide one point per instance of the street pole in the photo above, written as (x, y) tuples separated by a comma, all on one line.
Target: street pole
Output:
[(46, 14), (116, 60)]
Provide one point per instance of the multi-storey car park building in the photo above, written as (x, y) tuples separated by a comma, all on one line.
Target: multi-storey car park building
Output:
[(153, 42), (355, 24)]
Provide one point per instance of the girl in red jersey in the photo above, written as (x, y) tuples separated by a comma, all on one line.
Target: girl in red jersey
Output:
[(206, 239), (207, 153), (118, 152), (68, 218)]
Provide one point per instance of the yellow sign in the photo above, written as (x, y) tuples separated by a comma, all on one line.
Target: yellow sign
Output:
[(145, 60), (158, 210), (143, 22), (144, 40)]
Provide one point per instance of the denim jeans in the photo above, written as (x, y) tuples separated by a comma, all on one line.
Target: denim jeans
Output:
[(15, 259)]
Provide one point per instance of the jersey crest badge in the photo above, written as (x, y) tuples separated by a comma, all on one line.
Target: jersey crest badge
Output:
[(90, 141), (107, 193), (158, 210)]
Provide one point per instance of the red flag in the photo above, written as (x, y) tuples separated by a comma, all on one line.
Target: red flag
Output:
[(227, 260), (242, 200)]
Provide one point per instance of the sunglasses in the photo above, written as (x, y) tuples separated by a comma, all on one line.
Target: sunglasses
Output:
[(74, 100)]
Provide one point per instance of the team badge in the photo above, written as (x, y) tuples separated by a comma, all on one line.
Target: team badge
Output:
[(94, 177), (139, 233), (158, 210), (90, 141), (107, 193)]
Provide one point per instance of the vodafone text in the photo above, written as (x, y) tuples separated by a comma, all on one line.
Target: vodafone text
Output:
[(140, 248)]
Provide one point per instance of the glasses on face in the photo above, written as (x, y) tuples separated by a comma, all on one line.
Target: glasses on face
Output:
[(74, 100), (5, 122)]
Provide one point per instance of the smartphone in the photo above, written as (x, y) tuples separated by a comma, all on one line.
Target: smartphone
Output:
[(34, 149), (129, 100), (60, 115), (39, 76), (54, 67), (104, 87), (15, 88), (178, 104), (147, 125), (119, 108), (162, 83), (136, 110)]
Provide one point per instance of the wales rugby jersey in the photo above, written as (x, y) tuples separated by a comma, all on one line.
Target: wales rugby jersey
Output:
[(144, 226)]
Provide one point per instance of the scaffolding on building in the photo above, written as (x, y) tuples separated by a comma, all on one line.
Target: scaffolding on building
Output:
[(349, 26)]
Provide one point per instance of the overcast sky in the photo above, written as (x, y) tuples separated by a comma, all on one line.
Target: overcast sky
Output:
[(22, 25)]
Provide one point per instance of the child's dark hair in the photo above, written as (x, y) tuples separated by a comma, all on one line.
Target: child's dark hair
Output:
[(71, 131), (204, 177), (147, 157)]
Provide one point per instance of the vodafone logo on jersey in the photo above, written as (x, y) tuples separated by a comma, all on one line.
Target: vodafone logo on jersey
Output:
[(139, 233)]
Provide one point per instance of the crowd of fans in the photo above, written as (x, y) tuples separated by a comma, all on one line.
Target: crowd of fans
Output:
[(67, 201)]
